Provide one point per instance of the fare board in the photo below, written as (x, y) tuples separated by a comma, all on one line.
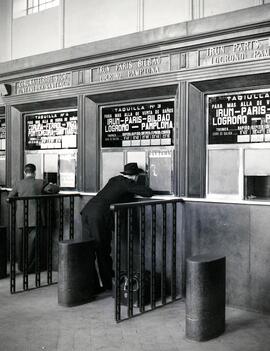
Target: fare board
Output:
[(2, 133), (51, 130), (141, 124), (239, 118)]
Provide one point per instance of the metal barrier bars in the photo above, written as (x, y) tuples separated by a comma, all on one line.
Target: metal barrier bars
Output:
[(150, 277), (35, 244)]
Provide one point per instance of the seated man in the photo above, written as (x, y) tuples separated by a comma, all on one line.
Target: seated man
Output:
[(97, 220), (30, 186)]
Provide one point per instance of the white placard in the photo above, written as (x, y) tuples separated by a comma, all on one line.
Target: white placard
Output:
[(51, 163), (67, 180), (69, 141)]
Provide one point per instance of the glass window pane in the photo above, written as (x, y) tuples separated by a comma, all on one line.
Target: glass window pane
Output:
[(112, 164), (257, 162), (223, 172)]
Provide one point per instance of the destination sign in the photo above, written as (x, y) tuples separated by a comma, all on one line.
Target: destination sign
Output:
[(131, 69), (239, 118), (51, 130), (142, 124), (254, 49), (44, 83)]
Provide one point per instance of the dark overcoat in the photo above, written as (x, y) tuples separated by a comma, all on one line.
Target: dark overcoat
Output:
[(97, 220)]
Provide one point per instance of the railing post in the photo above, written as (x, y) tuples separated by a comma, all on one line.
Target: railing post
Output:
[(12, 247), (142, 258), (49, 238), (130, 262), (173, 262), (153, 258), (25, 235), (164, 246), (71, 218), (117, 265), (37, 243), (61, 219)]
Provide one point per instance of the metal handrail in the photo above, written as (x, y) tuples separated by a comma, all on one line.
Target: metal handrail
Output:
[(158, 268), (32, 197), (43, 203), (149, 201)]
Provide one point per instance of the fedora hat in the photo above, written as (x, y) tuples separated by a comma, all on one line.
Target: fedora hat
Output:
[(132, 169)]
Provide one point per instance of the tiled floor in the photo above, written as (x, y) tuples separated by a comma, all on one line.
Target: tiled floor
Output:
[(33, 321)]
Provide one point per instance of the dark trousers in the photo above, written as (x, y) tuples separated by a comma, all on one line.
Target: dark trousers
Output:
[(100, 231), (28, 237)]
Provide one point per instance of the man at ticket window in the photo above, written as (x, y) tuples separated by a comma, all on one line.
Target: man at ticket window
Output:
[(97, 220), (30, 186)]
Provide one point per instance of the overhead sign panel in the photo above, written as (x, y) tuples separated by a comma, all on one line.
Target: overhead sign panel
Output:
[(142, 124), (239, 118), (51, 130)]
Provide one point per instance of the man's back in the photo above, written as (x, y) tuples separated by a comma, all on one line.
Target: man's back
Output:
[(28, 186), (118, 189)]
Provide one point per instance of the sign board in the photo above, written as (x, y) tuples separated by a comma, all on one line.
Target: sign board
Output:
[(253, 49), (2, 133), (51, 130), (44, 83), (142, 124), (140, 67), (239, 118)]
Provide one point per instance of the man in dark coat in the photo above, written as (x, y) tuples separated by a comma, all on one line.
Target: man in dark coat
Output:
[(97, 220), (29, 186)]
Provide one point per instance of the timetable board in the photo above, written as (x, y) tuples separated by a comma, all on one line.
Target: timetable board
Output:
[(141, 124), (239, 118), (51, 130)]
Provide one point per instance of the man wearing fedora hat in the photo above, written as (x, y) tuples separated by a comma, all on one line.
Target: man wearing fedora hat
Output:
[(97, 221)]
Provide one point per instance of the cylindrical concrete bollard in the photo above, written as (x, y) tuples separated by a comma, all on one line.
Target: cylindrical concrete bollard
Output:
[(3, 252), (75, 272), (205, 297)]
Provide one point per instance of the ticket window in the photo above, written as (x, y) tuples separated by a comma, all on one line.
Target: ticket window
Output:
[(2, 150), (238, 150), (157, 164), (51, 144), (141, 132), (257, 174)]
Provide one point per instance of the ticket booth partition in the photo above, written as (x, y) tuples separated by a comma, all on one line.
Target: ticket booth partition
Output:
[(238, 149), (141, 132)]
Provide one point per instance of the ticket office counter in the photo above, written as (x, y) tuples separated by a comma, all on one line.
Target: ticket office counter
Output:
[(238, 149)]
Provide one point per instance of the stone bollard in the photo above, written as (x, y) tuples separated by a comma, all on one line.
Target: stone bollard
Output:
[(3, 252), (75, 272), (205, 297)]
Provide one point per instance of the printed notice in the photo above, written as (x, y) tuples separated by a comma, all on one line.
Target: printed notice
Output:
[(2, 133), (51, 130), (239, 118), (142, 124)]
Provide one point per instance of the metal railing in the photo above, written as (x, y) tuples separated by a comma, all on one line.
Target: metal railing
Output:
[(148, 254), (51, 216)]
